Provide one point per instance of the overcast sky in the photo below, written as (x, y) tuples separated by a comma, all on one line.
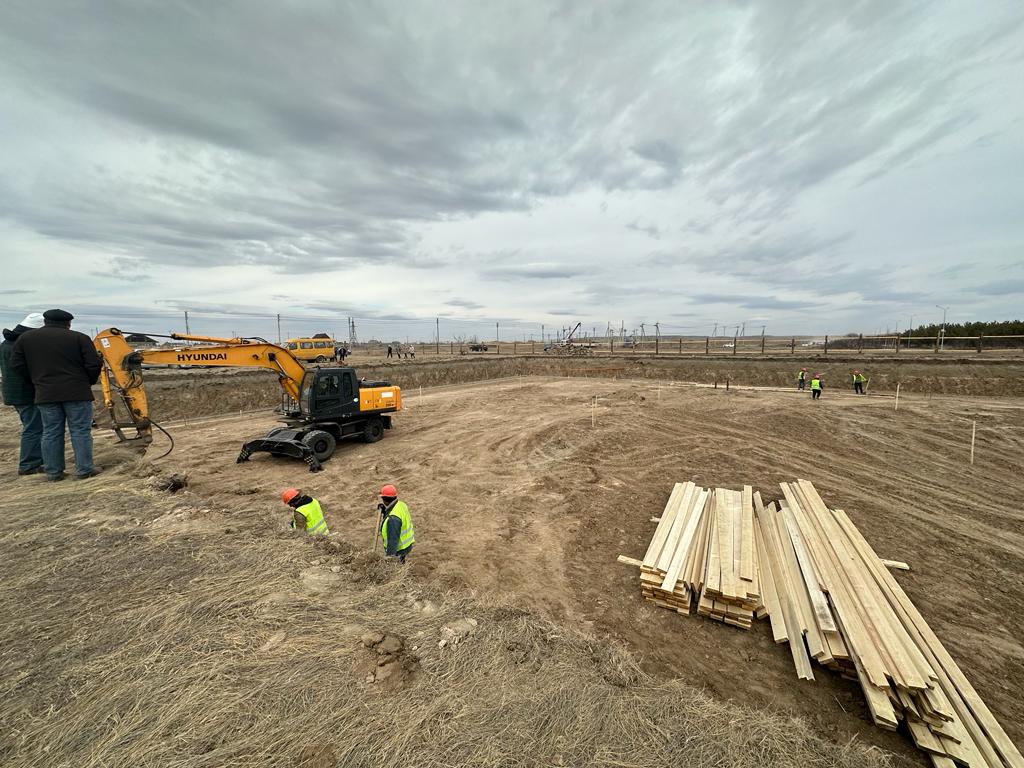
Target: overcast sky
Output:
[(815, 167)]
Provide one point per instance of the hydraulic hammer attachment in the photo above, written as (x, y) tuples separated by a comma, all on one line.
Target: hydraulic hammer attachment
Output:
[(286, 444)]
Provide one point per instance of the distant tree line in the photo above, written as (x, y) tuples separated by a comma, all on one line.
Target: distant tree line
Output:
[(997, 328), (958, 336)]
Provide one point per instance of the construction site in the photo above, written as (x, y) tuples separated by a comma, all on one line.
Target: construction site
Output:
[(163, 613)]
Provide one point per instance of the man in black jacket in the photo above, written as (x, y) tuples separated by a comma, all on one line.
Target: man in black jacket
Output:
[(19, 393), (63, 365)]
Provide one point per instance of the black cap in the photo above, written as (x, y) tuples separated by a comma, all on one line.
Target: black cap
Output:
[(58, 316)]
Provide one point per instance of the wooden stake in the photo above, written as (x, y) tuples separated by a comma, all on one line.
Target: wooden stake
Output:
[(974, 429), (593, 412), (897, 406)]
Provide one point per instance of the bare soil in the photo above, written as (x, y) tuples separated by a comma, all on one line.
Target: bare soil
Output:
[(525, 490)]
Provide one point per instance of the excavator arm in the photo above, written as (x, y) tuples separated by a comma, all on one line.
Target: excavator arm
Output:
[(121, 376)]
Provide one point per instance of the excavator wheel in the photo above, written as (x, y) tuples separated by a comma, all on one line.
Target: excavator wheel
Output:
[(373, 431), (321, 443)]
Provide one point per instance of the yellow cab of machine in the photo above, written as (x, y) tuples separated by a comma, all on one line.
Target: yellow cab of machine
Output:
[(317, 348)]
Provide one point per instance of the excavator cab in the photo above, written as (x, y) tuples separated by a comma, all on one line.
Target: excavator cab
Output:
[(329, 393)]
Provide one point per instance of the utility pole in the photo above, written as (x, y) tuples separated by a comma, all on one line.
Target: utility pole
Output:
[(743, 329), (942, 333), (279, 328), (714, 331), (437, 336), (497, 338), (187, 331)]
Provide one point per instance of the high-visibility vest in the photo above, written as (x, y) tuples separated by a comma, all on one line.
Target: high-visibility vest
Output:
[(801, 376), (405, 537), (859, 377), (315, 522), (815, 383)]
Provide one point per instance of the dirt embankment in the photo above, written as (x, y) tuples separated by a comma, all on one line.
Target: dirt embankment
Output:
[(188, 394)]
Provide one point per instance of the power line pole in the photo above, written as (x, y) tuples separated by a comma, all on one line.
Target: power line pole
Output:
[(497, 337), (279, 328), (437, 336), (187, 331)]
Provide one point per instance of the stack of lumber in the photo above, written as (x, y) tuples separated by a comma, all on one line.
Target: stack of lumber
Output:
[(731, 556), (703, 553)]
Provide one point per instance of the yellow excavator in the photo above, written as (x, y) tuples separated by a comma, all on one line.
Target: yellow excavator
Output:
[(324, 405)]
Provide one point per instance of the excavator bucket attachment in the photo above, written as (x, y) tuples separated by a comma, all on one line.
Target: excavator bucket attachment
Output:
[(281, 445)]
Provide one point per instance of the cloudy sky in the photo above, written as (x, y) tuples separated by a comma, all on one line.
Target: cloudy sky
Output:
[(814, 167)]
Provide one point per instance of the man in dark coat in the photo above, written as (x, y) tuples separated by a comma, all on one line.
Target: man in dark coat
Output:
[(19, 393), (63, 365)]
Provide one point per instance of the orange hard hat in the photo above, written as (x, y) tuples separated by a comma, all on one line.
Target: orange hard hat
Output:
[(289, 494), (389, 490)]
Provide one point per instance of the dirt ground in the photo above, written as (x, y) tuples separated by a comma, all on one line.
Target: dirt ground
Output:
[(526, 489)]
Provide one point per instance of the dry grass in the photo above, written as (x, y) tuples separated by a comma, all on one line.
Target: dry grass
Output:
[(134, 644)]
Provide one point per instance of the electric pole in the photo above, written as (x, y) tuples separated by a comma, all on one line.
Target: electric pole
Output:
[(187, 331), (279, 329)]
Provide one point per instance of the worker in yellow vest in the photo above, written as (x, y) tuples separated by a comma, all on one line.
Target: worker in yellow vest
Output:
[(816, 386), (801, 379), (307, 514), (859, 380), (395, 524)]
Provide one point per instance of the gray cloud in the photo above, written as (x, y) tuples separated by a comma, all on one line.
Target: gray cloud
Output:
[(570, 312), (1010, 287), (529, 272), (750, 140), (464, 303), (752, 302)]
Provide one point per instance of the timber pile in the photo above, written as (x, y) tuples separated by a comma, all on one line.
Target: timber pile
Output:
[(729, 556)]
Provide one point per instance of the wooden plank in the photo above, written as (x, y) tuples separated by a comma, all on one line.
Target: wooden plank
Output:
[(629, 561), (896, 565), (698, 563), (976, 718), (678, 520), (862, 637), (685, 540), (771, 599), (798, 590), (747, 551), (785, 594), (924, 738), (713, 576), (662, 531), (822, 612), (727, 541), (905, 663)]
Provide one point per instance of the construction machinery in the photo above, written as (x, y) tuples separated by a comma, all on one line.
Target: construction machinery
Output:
[(569, 346), (323, 405)]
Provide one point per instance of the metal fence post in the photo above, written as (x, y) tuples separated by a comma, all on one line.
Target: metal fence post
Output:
[(860, 345), (826, 345), (735, 343), (980, 337), (656, 340), (792, 346), (707, 345)]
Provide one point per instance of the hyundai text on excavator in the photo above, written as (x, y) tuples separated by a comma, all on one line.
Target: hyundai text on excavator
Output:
[(323, 405)]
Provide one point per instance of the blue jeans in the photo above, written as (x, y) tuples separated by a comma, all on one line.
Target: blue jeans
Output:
[(78, 415), (31, 455)]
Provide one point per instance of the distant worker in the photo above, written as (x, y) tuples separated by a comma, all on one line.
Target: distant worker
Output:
[(307, 514), (389, 350), (63, 365), (816, 386), (19, 393), (412, 351), (859, 379), (395, 524), (801, 379)]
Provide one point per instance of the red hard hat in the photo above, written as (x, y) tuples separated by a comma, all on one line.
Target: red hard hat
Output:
[(289, 494), (389, 490)]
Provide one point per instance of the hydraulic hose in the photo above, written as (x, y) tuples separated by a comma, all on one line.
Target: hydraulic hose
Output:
[(168, 451)]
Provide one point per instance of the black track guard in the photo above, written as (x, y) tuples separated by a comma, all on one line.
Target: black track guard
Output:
[(281, 446)]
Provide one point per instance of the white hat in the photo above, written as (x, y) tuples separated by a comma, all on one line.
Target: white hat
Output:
[(33, 320)]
